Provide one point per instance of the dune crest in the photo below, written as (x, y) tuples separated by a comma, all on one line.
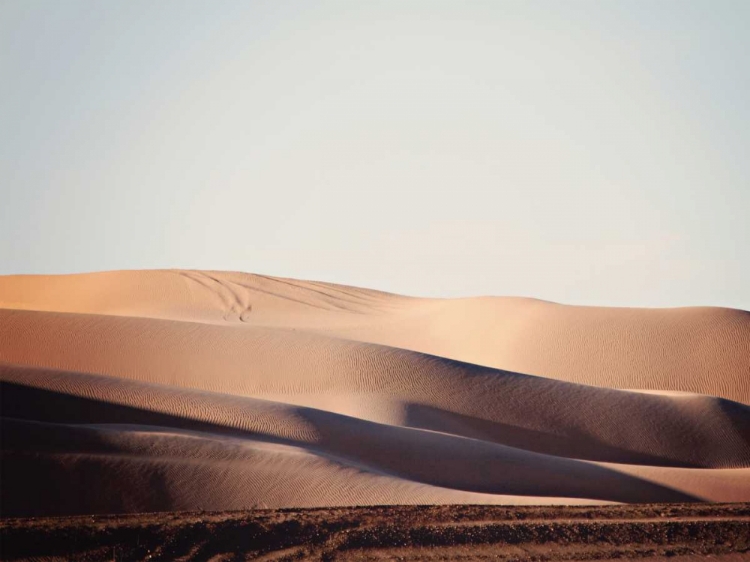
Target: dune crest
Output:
[(162, 390)]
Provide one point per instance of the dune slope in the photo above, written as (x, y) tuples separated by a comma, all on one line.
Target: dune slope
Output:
[(164, 390)]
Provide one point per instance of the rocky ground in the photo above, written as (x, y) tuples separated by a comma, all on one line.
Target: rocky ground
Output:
[(680, 532)]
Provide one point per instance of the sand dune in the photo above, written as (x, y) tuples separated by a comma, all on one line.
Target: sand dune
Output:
[(701, 350), (164, 390)]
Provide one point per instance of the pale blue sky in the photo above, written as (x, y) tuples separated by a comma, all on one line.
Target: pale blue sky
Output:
[(585, 152)]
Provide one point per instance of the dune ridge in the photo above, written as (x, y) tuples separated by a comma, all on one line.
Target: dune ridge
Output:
[(161, 390)]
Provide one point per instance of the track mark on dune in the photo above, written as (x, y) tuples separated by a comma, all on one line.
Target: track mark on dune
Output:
[(239, 301), (331, 300), (235, 304), (257, 289), (361, 295)]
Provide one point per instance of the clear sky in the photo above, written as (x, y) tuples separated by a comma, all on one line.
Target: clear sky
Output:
[(588, 152)]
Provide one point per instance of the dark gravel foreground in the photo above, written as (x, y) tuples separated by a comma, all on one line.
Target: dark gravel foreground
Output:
[(680, 532)]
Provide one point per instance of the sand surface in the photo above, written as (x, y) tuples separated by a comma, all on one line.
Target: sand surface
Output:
[(184, 390)]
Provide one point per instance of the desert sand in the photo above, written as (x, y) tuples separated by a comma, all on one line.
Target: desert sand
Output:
[(136, 391)]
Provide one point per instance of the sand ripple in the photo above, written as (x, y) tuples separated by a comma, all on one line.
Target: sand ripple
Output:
[(165, 390)]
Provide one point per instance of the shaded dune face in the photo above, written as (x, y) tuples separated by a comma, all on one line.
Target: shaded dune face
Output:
[(165, 390)]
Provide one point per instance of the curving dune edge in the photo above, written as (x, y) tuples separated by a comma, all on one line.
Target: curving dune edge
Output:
[(137, 391)]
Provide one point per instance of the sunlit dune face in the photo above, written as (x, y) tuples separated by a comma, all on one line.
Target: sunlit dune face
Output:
[(218, 387)]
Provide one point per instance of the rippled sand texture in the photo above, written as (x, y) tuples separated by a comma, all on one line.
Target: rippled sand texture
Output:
[(174, 390)]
